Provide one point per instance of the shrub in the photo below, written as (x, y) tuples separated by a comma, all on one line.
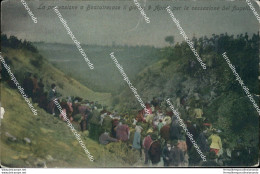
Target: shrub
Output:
[(38, 62)]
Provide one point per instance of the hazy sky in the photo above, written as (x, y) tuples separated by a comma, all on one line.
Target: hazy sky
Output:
[(123, 26)]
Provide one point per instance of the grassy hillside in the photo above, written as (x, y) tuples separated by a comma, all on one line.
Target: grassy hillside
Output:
[(35, 141), (25, 61), (52, 141), (105, 77), (154, 81)]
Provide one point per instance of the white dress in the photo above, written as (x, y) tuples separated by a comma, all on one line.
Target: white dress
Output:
[(2, 112)]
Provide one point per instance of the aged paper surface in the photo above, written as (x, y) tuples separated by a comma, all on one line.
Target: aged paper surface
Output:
[(129, 83)]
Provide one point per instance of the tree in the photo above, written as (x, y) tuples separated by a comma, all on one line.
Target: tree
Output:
[(14, 42), (4, 40), (169, 39)]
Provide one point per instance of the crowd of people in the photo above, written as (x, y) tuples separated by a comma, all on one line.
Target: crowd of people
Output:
[(156, 134)]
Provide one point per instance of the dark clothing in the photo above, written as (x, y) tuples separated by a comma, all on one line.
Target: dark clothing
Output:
[(64, 105), (94, 125), (28, 86), (170, 113), (82, 109), (35, 84), (202, 142), (51, 107), (183, 100), (115, 122), (95, 131), (75, 107), (165, 132), (146, 156), (88, 117), (176, 157), (84, 124), (52, 95), (38, 94), (192, 131), (41, 85), (175, 129), (155, 103), (210, 163), (166, 155), (43, 101), (155, 152), (146, 144)]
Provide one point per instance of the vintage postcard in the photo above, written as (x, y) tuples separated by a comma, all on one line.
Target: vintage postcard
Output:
[(129, 83)]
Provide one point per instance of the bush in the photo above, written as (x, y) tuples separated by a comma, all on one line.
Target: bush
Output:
[(38, 62), (123, 151), (115, 101)]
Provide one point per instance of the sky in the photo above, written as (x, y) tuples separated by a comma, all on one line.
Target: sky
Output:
[(125, 25)]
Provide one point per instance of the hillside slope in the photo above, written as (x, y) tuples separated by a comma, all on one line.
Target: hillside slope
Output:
[(43, 140), (105, 77), (215, 90), (52, 142), (25, 61)]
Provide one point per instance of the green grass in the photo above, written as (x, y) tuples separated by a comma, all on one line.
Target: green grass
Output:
[(67, 86), (49, 135)]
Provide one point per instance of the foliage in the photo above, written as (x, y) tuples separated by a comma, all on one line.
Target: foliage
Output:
[(14, 42), (37, 62), (224, 103), (169, 39)]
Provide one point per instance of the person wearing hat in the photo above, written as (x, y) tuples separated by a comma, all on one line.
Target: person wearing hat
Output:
[(147, 141), (28, 85), (175, 129), (176, 157), (166, 154), (193, 131), (122, 132), (155, 102), (115, 123), (155, 150), (137, 138), (165, 132), (203, 142), (52, 95), (216, 143)]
